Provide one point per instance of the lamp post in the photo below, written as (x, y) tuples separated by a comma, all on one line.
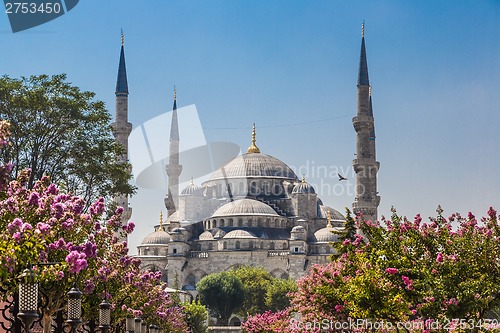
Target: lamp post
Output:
[(28, 297), (130, 324), (137, 325), (104, 316), (144, 327), (74, 307)]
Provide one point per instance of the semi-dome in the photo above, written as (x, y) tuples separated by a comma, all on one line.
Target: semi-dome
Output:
[(158, 237), (255, 165), (191, 190), (244, 207), (326, 235), (335, 215), (206, 235), (239, 234), (303, 187)]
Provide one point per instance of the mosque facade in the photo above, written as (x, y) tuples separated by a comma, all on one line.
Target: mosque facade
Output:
[(254, 210)]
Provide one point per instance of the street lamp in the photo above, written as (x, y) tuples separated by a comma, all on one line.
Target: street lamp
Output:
[(130, 324), (152, 328), (104, 316), (74, 307), (28, 297), (144, 327)]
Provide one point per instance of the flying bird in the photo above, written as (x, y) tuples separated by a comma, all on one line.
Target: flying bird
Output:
[(341, 177)]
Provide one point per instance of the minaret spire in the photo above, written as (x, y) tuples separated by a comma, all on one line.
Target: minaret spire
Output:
[(121, 126), (173, 167), (365, 165)]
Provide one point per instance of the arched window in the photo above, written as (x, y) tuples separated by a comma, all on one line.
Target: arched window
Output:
[(237, 245), (210, 246), (174, 250), (271, 246), (155, 252), (225, 246), (251, 245), (240, 222), (261, 244), (230, 223), (221, 222), (284, 245)]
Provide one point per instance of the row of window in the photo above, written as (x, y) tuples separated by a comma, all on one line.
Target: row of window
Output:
[(245, 222)]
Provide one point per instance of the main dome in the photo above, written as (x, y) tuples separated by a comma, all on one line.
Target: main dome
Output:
[(254, 165), (244, 207)]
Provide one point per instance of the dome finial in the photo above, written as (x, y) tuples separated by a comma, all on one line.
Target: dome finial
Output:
[(161, 220), (328, 219), (303, 178), (253, 147), (192, 181), (123, 38)]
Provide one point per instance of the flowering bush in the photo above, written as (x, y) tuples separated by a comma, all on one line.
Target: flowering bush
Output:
[(44, 226), (405, 271)]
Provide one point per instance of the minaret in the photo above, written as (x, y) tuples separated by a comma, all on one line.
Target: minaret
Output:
[(173, 167), (365, 165), (121, 127)]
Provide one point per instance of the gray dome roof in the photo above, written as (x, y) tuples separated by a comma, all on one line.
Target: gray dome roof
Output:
[(303, 187), (191, 190), (244, 207), (207, 235), (219, 234), (326, 235), (335, 215), (239, 234), (254, 165), (158, 237)]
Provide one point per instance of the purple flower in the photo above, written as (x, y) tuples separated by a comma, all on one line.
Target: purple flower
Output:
[(439, 257), (119, 210), (26, 226), (90, 250), (16, 224), (43, 227), (17, 236), (33, 199), (76, 261)]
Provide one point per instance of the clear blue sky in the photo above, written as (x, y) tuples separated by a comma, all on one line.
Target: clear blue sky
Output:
[(291, 67)]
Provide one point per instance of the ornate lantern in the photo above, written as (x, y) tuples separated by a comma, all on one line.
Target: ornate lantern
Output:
[(28, 297)]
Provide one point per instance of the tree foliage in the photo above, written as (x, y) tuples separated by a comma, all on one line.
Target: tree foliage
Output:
[(59, 131), (256, 281), (223, 293), (196, 316), (277, 294)]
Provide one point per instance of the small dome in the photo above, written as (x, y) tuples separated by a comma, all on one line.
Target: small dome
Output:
[(298, 228), (326, 235), (207, 235), (303, 187), (158, 237), (192, 190), (335, 215), (244, 207), (239, 234)]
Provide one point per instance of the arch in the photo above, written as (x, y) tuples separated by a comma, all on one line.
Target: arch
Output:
[(235, 321), (250, 222), (268, 223), (271, 246), (240, 223), (237, 245), (214, 223), (259, 222), (284, 245), (191, 280), (279, 273), (155, 251), (210, 246), (225, 246), (221, 222), (261, 244), (250, 245), (230, 223)]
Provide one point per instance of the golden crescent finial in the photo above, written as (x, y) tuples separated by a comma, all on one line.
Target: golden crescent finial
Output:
[(161, 220), (123, 38), (253, 147), (328, 219), (303, 178), (363, 29)]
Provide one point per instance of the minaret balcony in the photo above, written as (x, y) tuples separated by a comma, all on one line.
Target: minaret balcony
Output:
[(362, 122)]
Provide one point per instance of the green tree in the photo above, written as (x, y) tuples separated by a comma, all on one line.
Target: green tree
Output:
[(223, 293), (276, 297), (256, 281), (196, 316), (62, 132)]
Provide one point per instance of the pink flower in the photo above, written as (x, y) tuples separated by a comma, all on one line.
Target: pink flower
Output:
[(43, 227), (439, 257), (17, 236), (391, 270), (76, 261)]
